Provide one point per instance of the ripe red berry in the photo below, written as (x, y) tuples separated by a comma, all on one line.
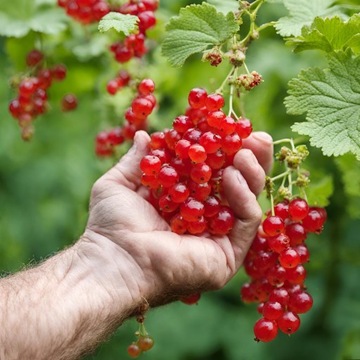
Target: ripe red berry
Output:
[(289, 322), (273, 225), (69, 102), (58, 72), (168, 176), (289, 258), (243, 127), (314, 220), (272, 310), (192, 209), (150, 165), (34, 57), (191, 299), (214, 102), (265, 330), (197, 98), (222, 222), (146, 87), (300, 302), (112, 87), (298, 209)]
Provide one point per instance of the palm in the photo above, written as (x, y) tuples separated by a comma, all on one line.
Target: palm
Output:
[(179, 263)]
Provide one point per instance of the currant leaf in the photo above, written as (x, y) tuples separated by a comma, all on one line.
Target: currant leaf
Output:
[(126, 24), (319, 192), (225, 6), (49, 21), (42, 19), (194, 30), (350, 170), (329, 35), (302, 13), (331, 99)]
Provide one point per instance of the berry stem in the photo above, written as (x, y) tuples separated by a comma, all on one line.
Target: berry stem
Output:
[(283, 175), (142, 330), (226, 80), (286, 140)]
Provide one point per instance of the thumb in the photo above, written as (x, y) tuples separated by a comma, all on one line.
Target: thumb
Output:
[(127, 171)]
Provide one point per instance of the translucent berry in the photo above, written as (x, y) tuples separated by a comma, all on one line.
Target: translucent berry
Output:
[(289, 322), (298, 209), (265, 330), (145, 343), (197, 98), (273, 225)]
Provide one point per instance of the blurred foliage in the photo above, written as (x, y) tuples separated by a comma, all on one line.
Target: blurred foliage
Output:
[(45, 186)]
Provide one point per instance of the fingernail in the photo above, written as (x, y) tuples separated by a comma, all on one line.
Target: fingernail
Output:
[(263, 137)]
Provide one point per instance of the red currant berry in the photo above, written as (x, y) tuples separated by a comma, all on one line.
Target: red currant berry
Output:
[(298, 209), (300, 302), (34, 57), (146, 87), (289, 258), (273, 225), (214, 102), (69, 102), (197, 98), (265, 330), (272, 310), (289, 322), (191, 299)]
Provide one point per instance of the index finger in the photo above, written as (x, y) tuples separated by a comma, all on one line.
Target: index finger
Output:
[(260, 143)]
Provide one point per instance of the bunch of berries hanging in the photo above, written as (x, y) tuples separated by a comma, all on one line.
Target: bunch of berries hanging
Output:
[(32, 97), (134, 44), (276, 259), (136, 117), (184, 166), (85, 11)]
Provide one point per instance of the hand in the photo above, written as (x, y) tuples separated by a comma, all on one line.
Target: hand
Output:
[(157, 264)]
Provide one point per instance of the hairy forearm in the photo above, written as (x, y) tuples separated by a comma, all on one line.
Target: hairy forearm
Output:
[(64, 307)]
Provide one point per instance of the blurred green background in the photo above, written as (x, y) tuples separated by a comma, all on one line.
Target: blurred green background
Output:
[(45, 186)]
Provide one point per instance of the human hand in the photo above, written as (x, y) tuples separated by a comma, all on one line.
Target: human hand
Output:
[(157, 264)]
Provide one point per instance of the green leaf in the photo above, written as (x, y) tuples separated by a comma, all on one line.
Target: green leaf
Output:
[(318, 193), (225, 6), (127, 24), (331, 100), (49, 21), (329, 35), (302, 13), (350, 170), (12, 27), (88, 50), (45, 20), (194, 30)]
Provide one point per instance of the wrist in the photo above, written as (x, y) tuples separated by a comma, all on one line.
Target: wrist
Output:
[(113, 273)]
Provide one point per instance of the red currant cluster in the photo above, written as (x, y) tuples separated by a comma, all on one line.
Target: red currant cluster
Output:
[(275, 264), (32, 99), (184, 166), (135, 119), (134, 44), (85, 11)]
